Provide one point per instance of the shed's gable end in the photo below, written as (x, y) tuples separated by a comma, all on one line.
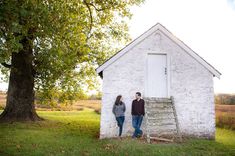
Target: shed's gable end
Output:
[(159, 27)]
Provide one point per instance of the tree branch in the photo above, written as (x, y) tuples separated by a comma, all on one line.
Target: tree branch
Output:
[(90, 13), (4, 64), (98, 9)]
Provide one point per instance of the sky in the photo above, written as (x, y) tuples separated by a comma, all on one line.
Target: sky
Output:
[(206, 26)]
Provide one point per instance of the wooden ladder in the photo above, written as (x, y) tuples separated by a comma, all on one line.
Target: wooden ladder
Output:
[(161, 120)]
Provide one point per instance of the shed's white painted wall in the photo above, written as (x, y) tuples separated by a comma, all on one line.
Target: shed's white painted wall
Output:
[(189, 82)]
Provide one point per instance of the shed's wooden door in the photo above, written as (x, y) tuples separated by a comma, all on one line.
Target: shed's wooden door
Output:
[(157, 75)]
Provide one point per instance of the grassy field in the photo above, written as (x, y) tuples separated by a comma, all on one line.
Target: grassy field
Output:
[(78, 105), (76, 133), (225, 116)]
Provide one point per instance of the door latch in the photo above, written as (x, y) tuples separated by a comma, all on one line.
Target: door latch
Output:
[(165, 71)]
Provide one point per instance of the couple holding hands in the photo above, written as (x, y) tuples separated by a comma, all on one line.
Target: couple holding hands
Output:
[(137, 112)]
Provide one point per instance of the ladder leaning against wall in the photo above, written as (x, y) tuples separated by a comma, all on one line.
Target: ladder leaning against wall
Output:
[(161, 120)]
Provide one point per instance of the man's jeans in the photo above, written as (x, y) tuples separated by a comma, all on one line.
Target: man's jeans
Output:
[(120, 121), (136, 123)]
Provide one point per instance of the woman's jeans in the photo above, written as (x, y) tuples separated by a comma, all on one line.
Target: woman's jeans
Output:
[(136, 123), (120, 121)]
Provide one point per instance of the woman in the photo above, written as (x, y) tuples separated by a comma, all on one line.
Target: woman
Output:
[(119, 109)]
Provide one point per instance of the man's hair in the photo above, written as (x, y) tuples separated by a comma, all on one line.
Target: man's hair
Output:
[(138, 93)]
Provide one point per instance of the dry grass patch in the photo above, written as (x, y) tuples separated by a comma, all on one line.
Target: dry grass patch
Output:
[(2, 100), (92, 104), (225, 116)]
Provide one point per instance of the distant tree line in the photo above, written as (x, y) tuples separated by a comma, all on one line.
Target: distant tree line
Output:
[(225, 99)]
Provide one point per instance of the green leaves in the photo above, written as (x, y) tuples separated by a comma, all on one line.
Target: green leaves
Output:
[(69, 38)]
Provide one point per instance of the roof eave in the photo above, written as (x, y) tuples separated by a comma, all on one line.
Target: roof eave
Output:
[(156, 27)]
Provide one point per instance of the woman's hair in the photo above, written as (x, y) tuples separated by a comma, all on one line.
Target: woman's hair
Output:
[(118, 100)]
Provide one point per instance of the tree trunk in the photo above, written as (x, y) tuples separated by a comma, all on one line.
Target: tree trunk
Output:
[(20, 95)]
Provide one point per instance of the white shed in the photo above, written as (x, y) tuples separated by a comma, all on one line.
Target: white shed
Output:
[(159, 65)]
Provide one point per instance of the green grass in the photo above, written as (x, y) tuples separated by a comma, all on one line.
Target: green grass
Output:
[(76, 133)]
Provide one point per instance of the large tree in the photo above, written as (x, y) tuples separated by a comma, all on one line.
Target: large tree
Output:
[(55, 44)]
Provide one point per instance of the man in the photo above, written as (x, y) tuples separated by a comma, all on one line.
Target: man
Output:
[(137, 112)]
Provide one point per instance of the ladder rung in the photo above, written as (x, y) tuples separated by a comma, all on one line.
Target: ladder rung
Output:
[(161, 139)]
